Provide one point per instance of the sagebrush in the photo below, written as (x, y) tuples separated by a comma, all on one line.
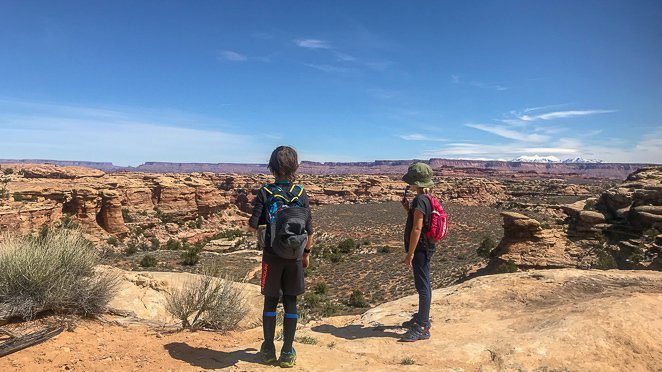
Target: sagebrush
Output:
[(53, 272), (208, 301)]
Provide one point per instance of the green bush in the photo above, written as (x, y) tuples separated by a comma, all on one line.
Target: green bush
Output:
[(407, 361), (605, 261), (18, 197), (312, 300), (199, 222), (208, 302), (148, 261), (335, 257), (54, 273), (131, 248), (507, 267), (356, 299), (126, 216), (321, 288), (346, 246), (191, 254), (385, 249), (155, 243), (486, 247), (228, 234), (113, 241), (173, 245), (7, 171)]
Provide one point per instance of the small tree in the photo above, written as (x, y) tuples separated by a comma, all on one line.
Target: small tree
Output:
[(148, 261), (356, 299)]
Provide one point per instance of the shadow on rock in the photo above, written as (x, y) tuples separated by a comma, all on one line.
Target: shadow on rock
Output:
[(210, 359), (357, 331)]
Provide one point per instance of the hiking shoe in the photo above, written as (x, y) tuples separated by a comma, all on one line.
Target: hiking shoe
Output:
[(410, 323), (287, 360), (416, 333), (268, 353)]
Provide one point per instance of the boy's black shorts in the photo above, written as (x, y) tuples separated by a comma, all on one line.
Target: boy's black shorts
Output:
[(281, 276)]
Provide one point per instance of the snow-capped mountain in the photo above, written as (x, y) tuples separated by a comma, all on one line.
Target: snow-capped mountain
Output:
[(582, 160), (552, 159), (536, 159)]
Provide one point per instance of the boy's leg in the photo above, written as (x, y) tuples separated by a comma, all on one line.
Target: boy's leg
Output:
[(289, 322), (421, 269), (269, 319)]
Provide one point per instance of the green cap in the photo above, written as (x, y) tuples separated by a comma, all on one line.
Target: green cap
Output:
[(419, 174)]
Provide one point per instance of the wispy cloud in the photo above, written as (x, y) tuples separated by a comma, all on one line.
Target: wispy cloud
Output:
[(457, 79), (561, 114), (328, 68), (506, 132), (421, 137), (78, 132), (312, 43), (229, 55)]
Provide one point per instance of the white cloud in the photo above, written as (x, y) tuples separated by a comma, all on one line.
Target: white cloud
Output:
[(506, 132), (312, 43), (561, 114), (421, 137), (228, 55)]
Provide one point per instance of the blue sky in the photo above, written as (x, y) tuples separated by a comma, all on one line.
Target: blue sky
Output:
[(226, 81)]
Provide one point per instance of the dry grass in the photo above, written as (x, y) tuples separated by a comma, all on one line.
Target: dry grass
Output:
[(52, 273)]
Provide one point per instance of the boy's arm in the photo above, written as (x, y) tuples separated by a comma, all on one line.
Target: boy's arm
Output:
[(415, 235), (258, 205)]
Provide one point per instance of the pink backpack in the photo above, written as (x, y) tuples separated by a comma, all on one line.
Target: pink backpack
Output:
[(438, 224)]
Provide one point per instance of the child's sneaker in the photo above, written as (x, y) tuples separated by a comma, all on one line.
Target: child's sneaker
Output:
[(288, 360), (415, 333), (268, 353), (410, 323)]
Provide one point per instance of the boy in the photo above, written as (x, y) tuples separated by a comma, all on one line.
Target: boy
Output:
[(419, 250), (284, 208)]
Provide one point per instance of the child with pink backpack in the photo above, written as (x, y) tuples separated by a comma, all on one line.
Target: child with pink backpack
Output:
[(427, 223)]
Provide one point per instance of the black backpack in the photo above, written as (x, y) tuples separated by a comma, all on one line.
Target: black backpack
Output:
[(286, 221)]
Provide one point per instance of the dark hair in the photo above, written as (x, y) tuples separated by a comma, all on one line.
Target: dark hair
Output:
[(284, 162)]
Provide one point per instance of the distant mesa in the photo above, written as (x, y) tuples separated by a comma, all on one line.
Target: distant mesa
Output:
[(523, 165)]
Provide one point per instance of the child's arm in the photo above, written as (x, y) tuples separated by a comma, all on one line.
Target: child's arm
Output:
[(258, 205), (415, 235)]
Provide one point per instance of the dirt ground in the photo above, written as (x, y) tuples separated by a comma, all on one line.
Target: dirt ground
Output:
[(552, 320)]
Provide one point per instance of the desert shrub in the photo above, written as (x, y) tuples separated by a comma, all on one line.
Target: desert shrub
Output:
[(131, 248), (545, 225), (126, 216), (164, 217), (366, 242), (191, 254), (605, 261), (188, 179), (155, 243), (650, 234), (18, 197), (208, 302), (379, 296), (486, 247), (356, 299), (143, 246), (407, 361), (346, 246), (507, 267), (308, 340), (312, 300), (173, 245), (52, 274), (113, 241), (385, 249), (199, 221), (148, 261), (335, 257), (7, 171), (321, 288), (4, 194)]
